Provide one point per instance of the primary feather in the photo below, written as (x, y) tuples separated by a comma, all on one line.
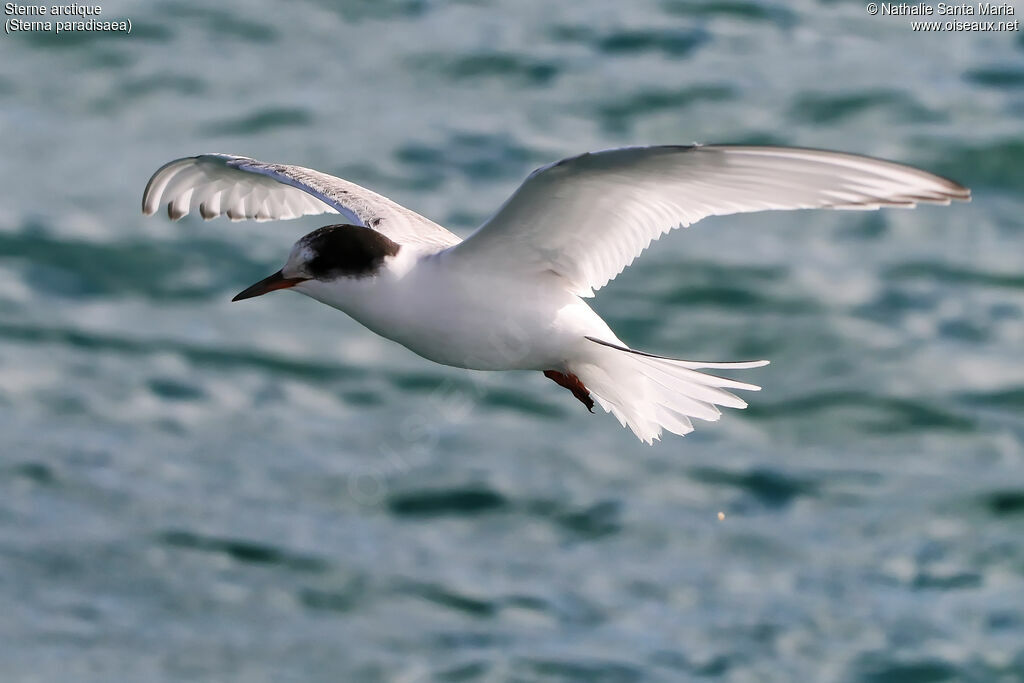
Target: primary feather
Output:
[(243, 188)]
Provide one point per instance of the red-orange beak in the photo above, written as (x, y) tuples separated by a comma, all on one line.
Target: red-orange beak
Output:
[(269, 284)]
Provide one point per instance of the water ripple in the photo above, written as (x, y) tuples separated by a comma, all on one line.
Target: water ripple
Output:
[(620, 114), (881, 669), (261, 121), (246, 552), (461, 501), (223, 23), (82, 269), (676, 43), (1000, 77), (829, 109), (1005, 503), (868, 412), (474, 156), (483, 65), (443, 597), (994, 164), (770, 488), (762, 12), (200, 355)]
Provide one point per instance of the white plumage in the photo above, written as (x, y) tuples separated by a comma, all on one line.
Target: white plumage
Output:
[(242, 188), (588, 217), (509, 296)]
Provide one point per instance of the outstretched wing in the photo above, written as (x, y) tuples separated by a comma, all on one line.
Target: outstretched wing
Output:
[(587, 217), (243, 188)]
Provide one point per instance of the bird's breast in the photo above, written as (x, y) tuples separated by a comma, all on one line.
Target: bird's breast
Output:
[(471, 320)]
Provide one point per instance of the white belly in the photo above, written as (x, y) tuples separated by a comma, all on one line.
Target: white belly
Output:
[(468, 320)]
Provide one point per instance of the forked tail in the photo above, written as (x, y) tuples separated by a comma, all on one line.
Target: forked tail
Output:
[(649, 393)]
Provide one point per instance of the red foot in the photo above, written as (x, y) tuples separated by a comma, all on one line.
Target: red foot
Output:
[(573, 384)]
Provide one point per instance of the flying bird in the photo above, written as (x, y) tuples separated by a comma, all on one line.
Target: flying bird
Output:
[(512, 295)]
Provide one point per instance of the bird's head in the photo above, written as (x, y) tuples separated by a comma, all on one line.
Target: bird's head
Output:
[(325, 255)]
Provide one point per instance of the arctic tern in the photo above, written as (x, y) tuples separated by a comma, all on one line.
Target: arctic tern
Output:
[(512, 295)]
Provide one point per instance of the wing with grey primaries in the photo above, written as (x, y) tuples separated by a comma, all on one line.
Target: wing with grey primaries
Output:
[(588, 217), (243, 188)]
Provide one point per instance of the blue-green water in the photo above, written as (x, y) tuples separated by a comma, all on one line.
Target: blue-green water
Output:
[(197, 490)]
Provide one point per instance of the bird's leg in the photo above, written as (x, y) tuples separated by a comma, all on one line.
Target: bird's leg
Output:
[(573, 384)]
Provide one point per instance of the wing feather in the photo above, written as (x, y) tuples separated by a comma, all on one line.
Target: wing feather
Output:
[(588, 217), (242, 188)]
